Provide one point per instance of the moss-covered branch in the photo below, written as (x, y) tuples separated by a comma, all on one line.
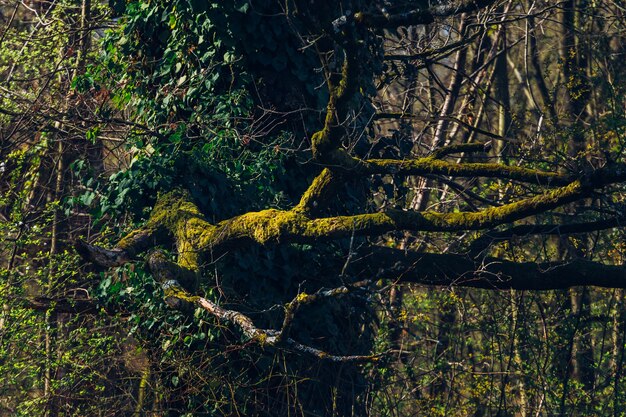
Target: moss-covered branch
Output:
[(194, 235), (170, 276), (275, 226), (326, 141), (173, 215), (434, 166), (318, 193), (341, 161)]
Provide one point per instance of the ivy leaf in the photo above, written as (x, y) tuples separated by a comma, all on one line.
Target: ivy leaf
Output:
[(87, 198), (229, 57), (244, 8)]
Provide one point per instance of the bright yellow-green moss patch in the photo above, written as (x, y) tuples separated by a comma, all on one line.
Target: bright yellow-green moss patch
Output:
[(314, 196), (194, 234), (261, 338), (431, 165), (268, 225), (175, 291), (302, 297)]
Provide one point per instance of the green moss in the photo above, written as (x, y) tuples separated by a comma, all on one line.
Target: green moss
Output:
[(431, 165), (130, 241), (504, 214), (176, 297), (261, 338), (326, 141), (376, 223), (347, 85), (317, 193), (179, 292), (194, 234), (321, 142), (270, 225), (172, 208)]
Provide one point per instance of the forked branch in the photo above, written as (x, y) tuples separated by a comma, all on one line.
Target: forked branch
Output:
[(167, 274)]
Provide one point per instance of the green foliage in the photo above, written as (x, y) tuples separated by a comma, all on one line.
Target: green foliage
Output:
[(190, 71), (80, 350)]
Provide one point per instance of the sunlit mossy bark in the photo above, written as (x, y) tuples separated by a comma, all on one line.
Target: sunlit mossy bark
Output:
[(176, 217)]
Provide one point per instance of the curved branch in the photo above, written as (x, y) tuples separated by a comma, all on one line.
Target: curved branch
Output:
[(142, 239), (317, 193), (169, 274), (265, 337), (469, 127), (431, 165), (194, 234), (101, 256), (465, 193), (63, 305), (275, 226), (327, 140), (461, 148), (303, 298), (429, 55)]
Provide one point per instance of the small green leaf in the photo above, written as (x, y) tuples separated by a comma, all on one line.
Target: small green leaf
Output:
[(244, 8), (229, 57)]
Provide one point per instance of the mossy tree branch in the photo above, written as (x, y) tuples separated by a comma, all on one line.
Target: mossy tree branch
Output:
[(170, 276), (344, 163), (327, 141), (317, 194), (176, 215), (434, 166), (194, 235)]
